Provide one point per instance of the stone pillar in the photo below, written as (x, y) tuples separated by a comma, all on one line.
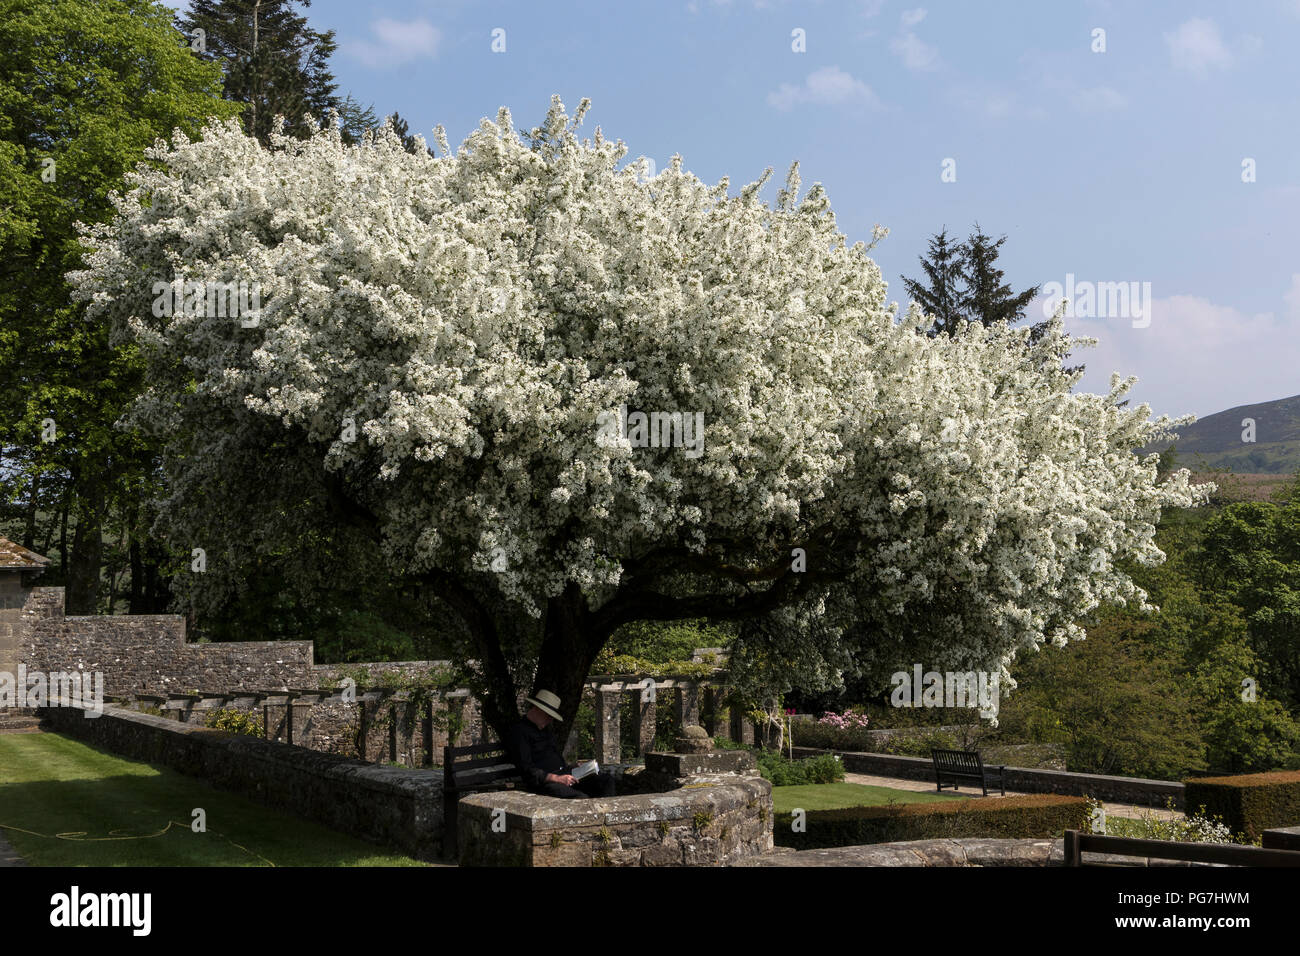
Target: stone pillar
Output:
[(275, 712), (479, 730), (404, 732), (608, 747), (686, 705), (300, 722), (373, 733), (459, 712), (719, 717), (571, 754), (643, 713), (439, 714), (199, 713), (426, 735), (742, 728)]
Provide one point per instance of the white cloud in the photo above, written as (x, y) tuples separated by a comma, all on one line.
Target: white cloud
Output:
[(1292, 298), (915, 53), (1099, 99), (1196, 46), (1195, 356), (911, 18), (828, 86), (397, 42)]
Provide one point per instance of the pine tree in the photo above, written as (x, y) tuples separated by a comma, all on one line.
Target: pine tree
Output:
[(965, 284), (985, 297), (403, 130), (942, 296), (272, 61), (355, 120)]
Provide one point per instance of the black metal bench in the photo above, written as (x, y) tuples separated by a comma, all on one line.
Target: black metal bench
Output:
[(471, 770), (965, 765)]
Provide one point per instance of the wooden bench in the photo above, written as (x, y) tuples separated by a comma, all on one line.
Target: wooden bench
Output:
[(471, 770), (1077, 843), (965, 765)]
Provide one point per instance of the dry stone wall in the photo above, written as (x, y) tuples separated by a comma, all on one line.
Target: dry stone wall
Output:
[(148, 653), (706, 820), (143, 657)]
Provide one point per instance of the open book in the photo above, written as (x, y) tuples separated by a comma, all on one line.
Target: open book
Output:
[(585, 769)]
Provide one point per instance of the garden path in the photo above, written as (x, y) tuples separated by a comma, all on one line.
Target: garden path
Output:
[(1112, 809)]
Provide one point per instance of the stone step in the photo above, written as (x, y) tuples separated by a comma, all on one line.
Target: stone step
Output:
[(22, 720)]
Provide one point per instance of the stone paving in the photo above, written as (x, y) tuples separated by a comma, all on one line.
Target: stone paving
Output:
[(919, 786)]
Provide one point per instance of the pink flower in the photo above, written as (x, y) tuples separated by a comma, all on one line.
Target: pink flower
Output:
[(845, 721)]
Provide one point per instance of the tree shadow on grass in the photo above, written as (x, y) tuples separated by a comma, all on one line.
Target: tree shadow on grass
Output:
[(63, 803)]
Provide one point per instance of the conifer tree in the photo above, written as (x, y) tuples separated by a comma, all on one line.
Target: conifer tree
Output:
[(273, 61), (942, 295)]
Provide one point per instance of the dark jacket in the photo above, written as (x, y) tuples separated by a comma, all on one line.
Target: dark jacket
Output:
[(535, 752)]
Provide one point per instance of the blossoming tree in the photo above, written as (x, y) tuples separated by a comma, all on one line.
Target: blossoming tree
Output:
[(442, 341)]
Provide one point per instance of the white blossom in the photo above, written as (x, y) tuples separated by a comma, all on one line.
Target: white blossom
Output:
[(474, 313)]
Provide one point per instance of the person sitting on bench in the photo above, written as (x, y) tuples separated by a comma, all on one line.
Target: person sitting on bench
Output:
[(531, 747)]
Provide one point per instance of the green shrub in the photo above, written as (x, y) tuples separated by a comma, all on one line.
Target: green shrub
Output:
[(784, 772), (1038, 815), (245, 722), (1251, 803)]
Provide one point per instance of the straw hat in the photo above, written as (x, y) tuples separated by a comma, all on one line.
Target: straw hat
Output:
[(546, 702)]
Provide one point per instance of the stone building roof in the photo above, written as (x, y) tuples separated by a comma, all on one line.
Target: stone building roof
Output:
[(16, 557)]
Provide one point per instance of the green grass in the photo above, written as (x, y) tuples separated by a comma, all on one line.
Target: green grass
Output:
[(63, 803), (831, 796)]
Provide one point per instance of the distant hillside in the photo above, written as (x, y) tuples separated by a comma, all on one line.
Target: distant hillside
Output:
[(1215, 440)]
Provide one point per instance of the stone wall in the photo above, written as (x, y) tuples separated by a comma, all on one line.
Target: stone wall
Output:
[(13, 598), (378, 726), (712, 820), (964, 852), (329, 674), (385, 805), (148, 653)]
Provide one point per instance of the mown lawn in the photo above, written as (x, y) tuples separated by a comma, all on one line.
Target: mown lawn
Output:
[(63, 803), (830, 796)]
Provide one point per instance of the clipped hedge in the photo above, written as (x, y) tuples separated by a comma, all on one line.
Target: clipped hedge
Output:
[(1249, 803), (910, 742), (1037, 815)]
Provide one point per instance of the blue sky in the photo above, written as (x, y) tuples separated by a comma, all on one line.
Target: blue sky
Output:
[(1117, 166)]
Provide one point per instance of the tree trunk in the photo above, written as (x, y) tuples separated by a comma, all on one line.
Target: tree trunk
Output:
[(569, 648), (157, 595), (63, 533), (86, 558), (135, 603), (29, 530)]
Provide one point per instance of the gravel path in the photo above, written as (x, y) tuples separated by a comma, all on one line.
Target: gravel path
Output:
[(918, 786)]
